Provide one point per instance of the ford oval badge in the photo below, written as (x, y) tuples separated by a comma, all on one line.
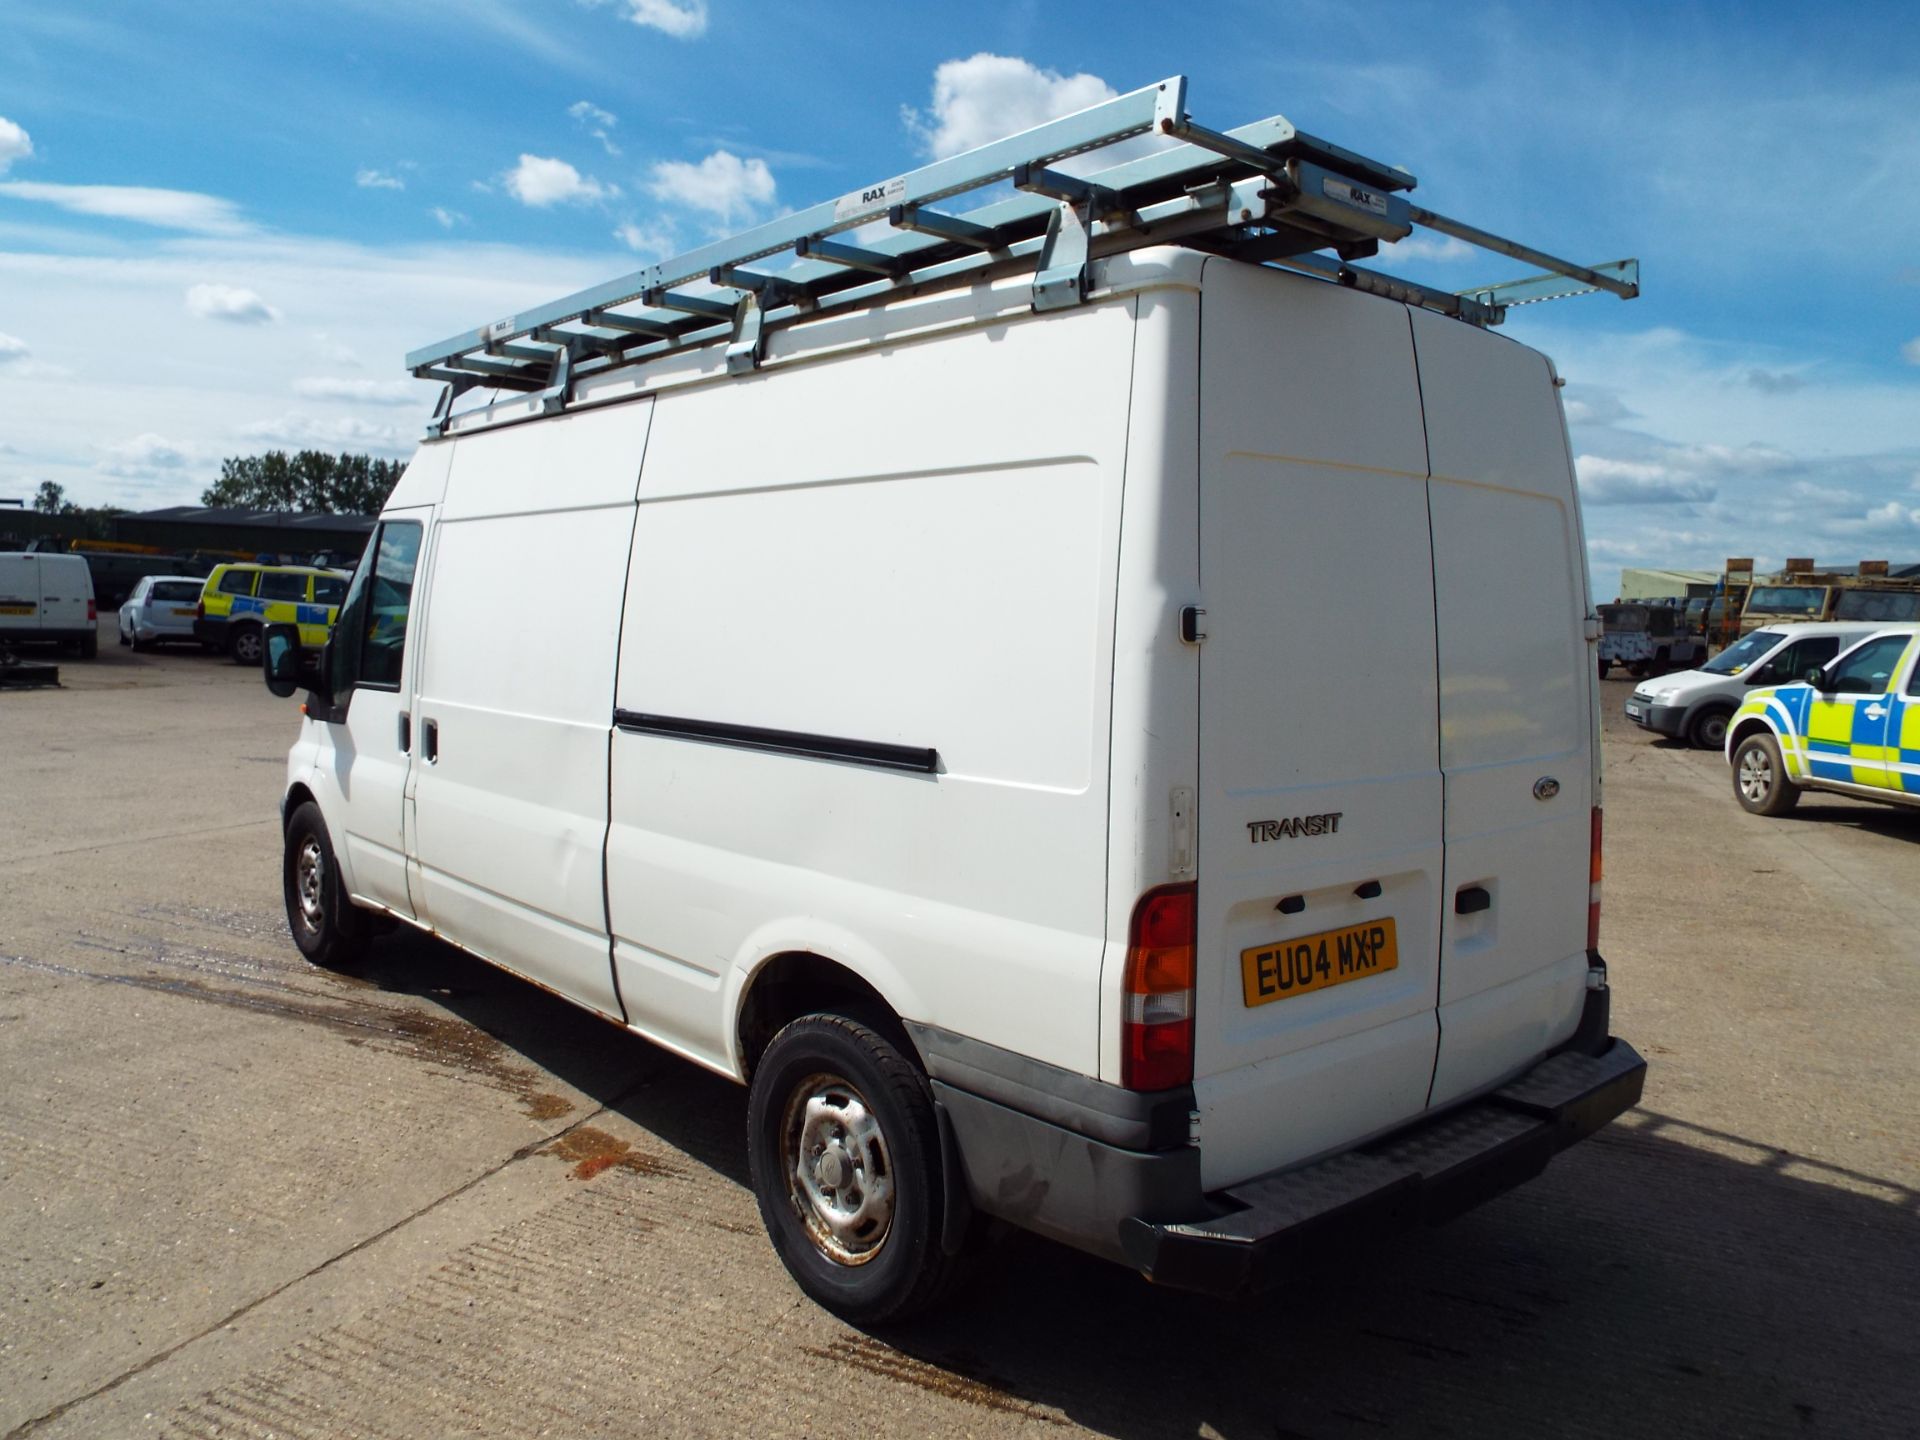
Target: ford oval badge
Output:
[(1545, 788)]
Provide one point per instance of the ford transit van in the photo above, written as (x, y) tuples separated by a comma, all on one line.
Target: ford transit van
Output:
[(1123, 766)]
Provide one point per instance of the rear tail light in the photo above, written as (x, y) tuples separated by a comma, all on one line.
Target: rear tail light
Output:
[(93, 610), (1156, 1030), (1593, 885), (200, 609)]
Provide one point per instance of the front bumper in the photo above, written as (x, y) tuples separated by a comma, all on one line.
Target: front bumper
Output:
[(1668, 720), (1425, 1174)]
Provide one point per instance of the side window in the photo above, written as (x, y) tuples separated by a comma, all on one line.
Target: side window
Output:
[(389, 600), (237, 582), (328, 589), (1797, 659), (1869, 669), (279, 585)]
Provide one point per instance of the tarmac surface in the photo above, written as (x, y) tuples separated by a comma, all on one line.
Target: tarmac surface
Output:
[(243, 1197)]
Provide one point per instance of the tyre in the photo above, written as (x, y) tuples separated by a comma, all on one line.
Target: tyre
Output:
[(1760, 781), (845, 1157), (1638, 669), (123, 638), (1605, 666), (89, 645), (326, 926), (246, 646), (1708, 729)]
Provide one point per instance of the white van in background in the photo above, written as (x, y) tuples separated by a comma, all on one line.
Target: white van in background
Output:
[(1695, 705), (47, 598), (1115, 754)]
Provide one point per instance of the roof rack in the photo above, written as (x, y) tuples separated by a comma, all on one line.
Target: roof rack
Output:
[(1265, 193)]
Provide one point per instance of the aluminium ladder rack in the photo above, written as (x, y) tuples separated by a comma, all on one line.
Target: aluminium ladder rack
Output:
[(1265, 193)]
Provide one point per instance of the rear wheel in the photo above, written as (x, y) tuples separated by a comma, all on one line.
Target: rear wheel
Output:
[(1708, 729), (1605, 666), (845, 1156), (245, 645), (330, 931), (1760, 781), (89, 645)]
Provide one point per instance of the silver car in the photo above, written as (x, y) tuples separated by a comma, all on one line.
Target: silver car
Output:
[(161, 607)]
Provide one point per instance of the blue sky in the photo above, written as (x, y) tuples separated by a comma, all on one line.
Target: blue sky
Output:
[(222, 224)]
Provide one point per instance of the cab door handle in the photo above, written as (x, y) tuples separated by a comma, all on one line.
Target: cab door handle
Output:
[(1875, 711), (406, 732)]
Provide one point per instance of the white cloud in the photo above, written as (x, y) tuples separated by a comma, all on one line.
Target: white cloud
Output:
[(365, 392), (229, 302), (723, 184), (1423, 245), (1775, 382), (447, 218), (165, 209), (986, 97), (143, 455), (682, 19), (378, 180), (15, 144), (1910, 352), (1628, 482), (14, 350), (656, 240), (302, 431), (540, 182), (596, 122)]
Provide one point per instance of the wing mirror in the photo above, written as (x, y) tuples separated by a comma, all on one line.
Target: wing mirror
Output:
[(282, 662), (1817, 677)]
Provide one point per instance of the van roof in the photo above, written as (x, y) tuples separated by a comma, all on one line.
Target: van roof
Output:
[(1266, 193)]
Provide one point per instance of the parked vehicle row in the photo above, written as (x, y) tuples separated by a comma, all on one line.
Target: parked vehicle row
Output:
[(1696, 705), (47, 597)]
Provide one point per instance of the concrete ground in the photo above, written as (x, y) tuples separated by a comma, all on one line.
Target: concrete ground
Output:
[(241, 1197)]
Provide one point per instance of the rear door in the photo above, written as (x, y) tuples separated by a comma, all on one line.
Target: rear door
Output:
[(65, 588), (19, 593), (1320, 805), (1516, 718)]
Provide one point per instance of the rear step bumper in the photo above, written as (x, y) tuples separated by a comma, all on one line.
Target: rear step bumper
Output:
[(1426, 1173)]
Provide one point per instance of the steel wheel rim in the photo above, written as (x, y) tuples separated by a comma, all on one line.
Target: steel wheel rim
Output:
[(247, 646), (309, 872), (838, 1169), (1756, 775)]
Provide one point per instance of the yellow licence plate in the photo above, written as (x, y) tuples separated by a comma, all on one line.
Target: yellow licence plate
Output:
[(1318, 962), (18, 609), (178, 611)]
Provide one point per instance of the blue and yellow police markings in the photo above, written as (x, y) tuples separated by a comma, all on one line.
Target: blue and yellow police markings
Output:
[(1785, 711), (1864, 740)]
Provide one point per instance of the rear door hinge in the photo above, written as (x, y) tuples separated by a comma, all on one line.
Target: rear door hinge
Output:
[(1590, 627), (1190, 631), (1193, 1129)]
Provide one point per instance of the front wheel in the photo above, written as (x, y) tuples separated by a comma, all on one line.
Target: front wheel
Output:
[(330, 931), (1708, 730), (246, 646), (1760, 781), (845, 1157)]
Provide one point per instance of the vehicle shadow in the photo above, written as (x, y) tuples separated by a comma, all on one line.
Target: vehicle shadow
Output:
[(1894, 824), (1661, 1279)]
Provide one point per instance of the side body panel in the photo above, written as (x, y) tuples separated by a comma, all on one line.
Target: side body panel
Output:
[(1320, 803), (910, 546), (1515, 702), (516, 691)]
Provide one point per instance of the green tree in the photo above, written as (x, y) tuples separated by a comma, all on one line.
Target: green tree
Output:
[(311, 481), (52, 499)]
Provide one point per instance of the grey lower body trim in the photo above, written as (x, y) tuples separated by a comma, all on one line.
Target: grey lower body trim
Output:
[(1055, 1182)]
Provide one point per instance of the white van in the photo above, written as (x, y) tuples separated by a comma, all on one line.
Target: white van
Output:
[(1124, 767), (47, 598)]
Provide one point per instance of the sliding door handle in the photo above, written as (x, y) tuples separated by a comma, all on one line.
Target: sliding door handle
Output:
[(430, 741)]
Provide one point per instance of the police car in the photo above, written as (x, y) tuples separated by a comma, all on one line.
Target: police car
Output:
[(1851, 726), (239, 600)]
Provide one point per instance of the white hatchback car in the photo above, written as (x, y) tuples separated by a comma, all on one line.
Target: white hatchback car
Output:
[(161, 607)]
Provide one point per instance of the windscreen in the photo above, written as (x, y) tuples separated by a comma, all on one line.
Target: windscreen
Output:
[(1737, 657), (1787, 599), (1878, 605)]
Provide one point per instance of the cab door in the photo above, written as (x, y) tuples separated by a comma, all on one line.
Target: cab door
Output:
[(373, 742), (1849, 721)]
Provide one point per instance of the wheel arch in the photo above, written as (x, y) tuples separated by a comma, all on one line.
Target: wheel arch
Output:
[(790, 982), (1740, 729)]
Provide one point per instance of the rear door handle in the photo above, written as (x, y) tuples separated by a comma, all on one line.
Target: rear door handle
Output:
[(1471, 900), (406, 732), (430, 741)]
